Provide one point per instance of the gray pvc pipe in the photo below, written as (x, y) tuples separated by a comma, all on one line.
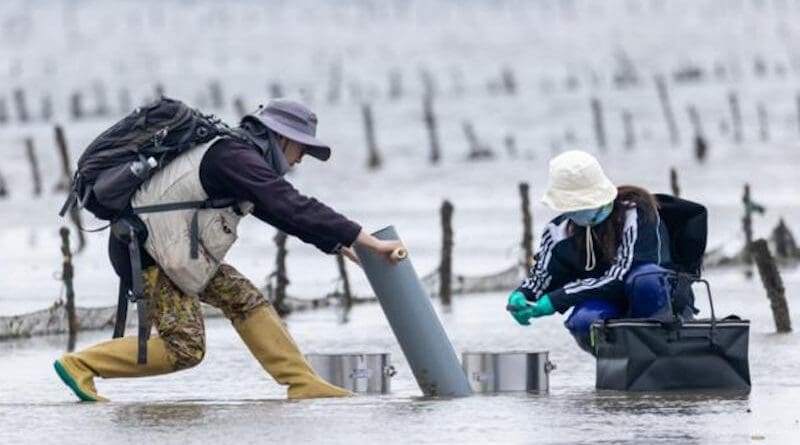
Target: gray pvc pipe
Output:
[(410, 313)]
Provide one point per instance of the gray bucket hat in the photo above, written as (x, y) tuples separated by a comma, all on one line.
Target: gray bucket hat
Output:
[(295, 121)]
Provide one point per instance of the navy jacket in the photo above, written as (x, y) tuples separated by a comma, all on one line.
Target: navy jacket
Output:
[(560, 262), (234, 169)]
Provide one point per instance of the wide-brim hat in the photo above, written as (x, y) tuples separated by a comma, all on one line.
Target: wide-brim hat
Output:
[(577, 182), (294, 121)]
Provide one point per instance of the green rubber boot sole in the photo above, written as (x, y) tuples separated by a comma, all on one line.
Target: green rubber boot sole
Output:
[(69, 381)]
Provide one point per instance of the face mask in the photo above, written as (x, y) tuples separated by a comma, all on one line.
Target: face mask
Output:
[(591, 217)]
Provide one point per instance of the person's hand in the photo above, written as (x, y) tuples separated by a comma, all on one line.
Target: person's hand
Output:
[(522, 310), (384, 248), (351, 255), (519, 308), (387, 248)]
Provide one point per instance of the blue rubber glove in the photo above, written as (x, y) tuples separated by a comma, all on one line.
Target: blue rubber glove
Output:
[(542, 307), (519, 308), (522, 310)]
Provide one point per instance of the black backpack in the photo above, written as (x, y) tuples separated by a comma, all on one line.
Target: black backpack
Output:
[(687, 224), (114, 166)]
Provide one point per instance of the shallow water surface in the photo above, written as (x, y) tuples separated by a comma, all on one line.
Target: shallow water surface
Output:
[(228, 397)]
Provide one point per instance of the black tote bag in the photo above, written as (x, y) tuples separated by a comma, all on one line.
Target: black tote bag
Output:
[(652, 355)]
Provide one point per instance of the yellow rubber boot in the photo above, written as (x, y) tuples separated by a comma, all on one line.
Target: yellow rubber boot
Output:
[(111, 359), (274, 348)]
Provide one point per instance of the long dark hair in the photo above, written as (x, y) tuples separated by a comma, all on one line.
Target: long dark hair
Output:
[(609, 232)]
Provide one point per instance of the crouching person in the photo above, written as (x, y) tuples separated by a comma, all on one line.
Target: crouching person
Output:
[(182, 255), (605, 256)]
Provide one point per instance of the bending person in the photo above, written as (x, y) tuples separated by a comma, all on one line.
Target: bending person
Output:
[(250, 171), (604, 256)]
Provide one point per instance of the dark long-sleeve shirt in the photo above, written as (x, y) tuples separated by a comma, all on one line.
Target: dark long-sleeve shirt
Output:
[(233, 169), (559, 270)]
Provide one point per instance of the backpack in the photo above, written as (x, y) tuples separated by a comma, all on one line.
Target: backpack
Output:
[(687, 224), (114, 165)]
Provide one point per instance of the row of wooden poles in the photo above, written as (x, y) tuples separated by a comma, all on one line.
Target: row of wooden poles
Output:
[(503, 83), (624, 76), (755, 251)]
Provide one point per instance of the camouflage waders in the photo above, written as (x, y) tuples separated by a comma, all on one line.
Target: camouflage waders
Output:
[(178, 317)]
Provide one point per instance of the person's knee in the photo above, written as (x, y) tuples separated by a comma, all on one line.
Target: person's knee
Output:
[(186, 350), (647, 289), (580, 320), (584, 314)]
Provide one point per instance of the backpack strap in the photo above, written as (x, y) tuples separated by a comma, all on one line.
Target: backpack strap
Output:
[(194, 232), (131, 231), (122, 311)]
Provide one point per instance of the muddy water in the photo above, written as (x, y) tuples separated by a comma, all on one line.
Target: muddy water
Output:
[(228, 398)]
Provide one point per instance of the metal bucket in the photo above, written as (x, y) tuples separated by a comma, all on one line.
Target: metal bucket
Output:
[(490, 372), (360, 373)]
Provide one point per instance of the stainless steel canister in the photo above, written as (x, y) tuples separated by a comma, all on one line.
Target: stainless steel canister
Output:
[(361, 373), (490, 372)]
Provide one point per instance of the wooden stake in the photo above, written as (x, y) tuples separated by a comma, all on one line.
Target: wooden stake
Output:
[(4, 111), (215, 92), (65, 183), (67, 275), (597, 119), (476, 149), (797, 100), (446, 265), (430, 125), (700, 145), (666, 108), (630, 132), (747, 227), (763, 122), (785, 244), (101, 100), (76, 106), (276, 89), (773, 284), (736, 116), (509, 81), (125, 101), (673, 182), (511, 146), (347, 295), (3, 186), (281, 278), (335, 80), (395, 85), (527, 225), (374, 158), (238, 105), (47, 108), (428, 83), (22, 106), (35, 172)]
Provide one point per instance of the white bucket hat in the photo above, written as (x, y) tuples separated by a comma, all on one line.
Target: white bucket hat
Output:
[(577, 182)]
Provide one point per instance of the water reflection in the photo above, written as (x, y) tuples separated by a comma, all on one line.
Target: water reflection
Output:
[(685, 403), (150, 415)]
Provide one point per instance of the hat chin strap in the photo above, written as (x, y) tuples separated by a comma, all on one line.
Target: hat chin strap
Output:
[(591, 261)]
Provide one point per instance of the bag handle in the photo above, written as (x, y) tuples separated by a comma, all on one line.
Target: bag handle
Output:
[(691, 278)]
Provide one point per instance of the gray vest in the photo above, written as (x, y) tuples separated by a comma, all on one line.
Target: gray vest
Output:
[(169, 233)]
